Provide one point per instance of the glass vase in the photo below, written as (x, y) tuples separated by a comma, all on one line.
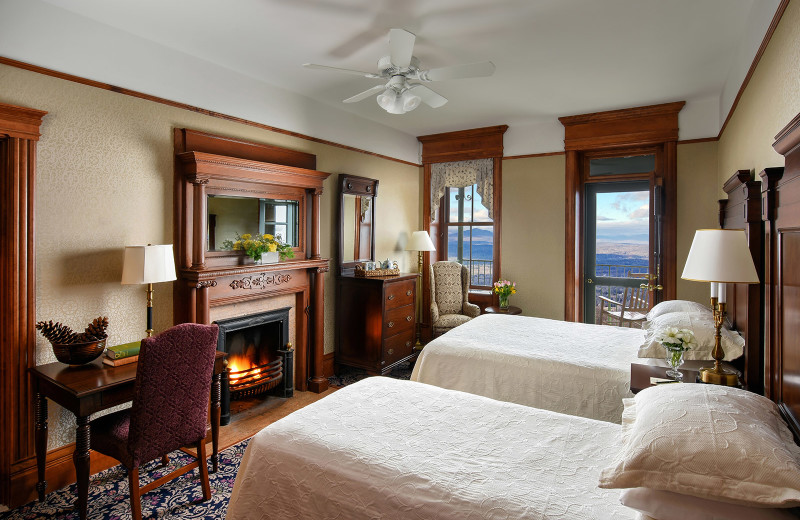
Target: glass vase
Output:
[(674, 359), (503, 301)]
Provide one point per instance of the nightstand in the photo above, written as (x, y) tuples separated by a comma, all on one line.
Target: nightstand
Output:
[(641, 374)]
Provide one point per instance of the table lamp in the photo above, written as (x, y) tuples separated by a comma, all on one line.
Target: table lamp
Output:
[(719, 256), (148, 264), (420, 241)]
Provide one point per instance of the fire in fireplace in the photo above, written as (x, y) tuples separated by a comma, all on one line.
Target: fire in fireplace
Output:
[(260, 357)]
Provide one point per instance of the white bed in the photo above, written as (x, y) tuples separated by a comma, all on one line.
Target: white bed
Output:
[(389, 449), (572, 368)]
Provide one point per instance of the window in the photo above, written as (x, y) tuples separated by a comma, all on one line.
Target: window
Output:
[(470, 234), (279, 218)]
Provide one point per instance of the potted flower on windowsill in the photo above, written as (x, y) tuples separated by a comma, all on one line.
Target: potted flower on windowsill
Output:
[(503, 289), (264, 249), (676, 342)]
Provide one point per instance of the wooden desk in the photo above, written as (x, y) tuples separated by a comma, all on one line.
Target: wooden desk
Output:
[(87, 389), (497, 310)]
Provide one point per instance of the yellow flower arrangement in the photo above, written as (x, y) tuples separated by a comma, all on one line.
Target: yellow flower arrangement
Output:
[(504, 289), (255, 247)]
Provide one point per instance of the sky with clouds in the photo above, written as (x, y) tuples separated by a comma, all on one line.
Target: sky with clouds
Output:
[(623, 217)]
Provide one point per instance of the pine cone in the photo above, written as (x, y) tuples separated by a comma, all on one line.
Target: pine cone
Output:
[(56, 332), (96, 329)]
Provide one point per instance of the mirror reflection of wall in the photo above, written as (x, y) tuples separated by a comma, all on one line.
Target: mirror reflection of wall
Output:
[(357, 228), (349, 228), (229, 216)]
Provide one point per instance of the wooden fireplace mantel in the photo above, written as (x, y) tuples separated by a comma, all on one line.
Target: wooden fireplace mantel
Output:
[(207, 164)]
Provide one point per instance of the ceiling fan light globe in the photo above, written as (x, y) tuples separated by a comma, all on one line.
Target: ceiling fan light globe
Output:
[(386, 99), (410, 101)]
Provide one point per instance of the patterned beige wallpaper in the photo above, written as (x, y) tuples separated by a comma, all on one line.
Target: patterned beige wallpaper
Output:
[(770, 101), (105, 181)]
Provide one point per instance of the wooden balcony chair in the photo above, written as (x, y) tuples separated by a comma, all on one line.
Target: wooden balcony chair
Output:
[(170, 407), (449, 292), (630, 312)]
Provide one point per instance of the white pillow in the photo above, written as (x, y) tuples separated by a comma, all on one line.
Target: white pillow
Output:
[(677, 306), (707, 441), (702, 325), (665, 505)]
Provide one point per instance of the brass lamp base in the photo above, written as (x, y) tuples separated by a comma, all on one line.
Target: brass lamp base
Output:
[(719, 376)]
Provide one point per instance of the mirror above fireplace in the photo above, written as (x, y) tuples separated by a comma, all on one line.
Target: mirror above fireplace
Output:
[(229, 216)]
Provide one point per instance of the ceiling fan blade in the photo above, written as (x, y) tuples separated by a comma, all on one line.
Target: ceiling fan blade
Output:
[(468, 70), (428, 96), (401, 47), (365, 94), (336, 69)]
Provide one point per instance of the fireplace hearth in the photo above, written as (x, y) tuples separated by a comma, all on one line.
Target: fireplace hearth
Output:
[(260, 357)]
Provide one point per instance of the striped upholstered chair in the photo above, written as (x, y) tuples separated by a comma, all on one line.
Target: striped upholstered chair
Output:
[(449, 291), (170, 407)]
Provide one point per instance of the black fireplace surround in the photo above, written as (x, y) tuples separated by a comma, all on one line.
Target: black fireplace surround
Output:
[(272, 329)]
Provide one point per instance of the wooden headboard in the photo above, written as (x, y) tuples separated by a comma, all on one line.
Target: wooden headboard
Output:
[(742, 210), (781, 196)]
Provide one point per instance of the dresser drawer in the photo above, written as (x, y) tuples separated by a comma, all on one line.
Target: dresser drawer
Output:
[(398, 320), (399, 294), (397, 347)]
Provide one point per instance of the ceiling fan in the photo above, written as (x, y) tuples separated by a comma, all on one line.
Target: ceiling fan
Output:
[(398, 95)]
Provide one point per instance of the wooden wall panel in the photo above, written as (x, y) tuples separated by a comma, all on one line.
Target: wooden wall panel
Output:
[(19, 131)]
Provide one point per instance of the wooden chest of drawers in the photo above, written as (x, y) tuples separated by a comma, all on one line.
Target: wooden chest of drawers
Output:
[(376, 321)]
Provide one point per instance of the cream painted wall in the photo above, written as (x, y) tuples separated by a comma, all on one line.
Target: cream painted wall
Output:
[(533, 233), (104, 181), (697, 207), (770, 101), (533, 224)]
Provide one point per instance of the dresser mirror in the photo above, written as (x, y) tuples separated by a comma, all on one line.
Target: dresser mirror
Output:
[(230, 215), (356, 221)]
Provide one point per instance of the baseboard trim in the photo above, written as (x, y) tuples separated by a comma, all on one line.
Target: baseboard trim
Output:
[(59, 472), (327, 365)]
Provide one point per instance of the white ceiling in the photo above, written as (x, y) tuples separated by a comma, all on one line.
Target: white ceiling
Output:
[(553, 57)]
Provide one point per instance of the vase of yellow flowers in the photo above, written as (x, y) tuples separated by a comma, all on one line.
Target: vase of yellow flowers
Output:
[(503, 289), (264, 249)]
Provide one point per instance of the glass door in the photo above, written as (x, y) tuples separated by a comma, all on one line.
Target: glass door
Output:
[(620, 252)]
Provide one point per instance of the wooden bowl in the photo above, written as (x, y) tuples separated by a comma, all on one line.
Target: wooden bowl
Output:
[(79, 353)]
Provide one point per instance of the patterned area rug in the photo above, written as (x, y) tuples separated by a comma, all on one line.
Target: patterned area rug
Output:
[(349, 375), (178, 499)]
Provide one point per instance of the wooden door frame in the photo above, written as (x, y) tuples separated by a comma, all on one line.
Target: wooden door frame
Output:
[(649, 127), (464, 145)]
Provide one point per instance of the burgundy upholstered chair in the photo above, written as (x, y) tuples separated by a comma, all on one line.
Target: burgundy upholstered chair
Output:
[(170, 407)]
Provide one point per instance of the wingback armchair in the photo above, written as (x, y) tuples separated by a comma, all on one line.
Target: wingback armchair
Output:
[(449, 291)]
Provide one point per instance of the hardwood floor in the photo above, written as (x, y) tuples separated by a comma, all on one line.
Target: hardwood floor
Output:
[(249, 416)]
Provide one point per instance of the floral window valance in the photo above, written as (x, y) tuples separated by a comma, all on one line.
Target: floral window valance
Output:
[(460, 175)]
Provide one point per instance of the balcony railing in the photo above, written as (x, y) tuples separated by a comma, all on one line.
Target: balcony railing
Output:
[(616, 292), (480, 271)]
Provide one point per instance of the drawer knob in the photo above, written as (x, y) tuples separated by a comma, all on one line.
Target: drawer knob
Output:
[(391, 324), (391, 351), (391, 296), (408, 343), (408, 293), (409, 318)]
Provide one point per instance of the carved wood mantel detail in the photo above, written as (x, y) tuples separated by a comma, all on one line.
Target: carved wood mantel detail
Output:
[(261, 281), (206, 164)]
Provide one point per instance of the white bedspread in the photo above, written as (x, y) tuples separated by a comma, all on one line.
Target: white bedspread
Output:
[(390, 449), (566, 367)]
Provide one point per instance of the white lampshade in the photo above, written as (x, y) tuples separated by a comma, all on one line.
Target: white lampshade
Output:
[(420, 241), (720, 255), (148, 264)]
